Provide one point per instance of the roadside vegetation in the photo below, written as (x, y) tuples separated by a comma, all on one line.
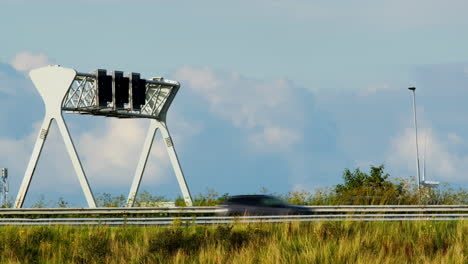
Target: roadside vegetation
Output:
[(307, 242), (358, 188), (313, 242), (377, 188)]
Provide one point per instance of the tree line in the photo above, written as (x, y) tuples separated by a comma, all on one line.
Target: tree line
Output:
[(375, 187)]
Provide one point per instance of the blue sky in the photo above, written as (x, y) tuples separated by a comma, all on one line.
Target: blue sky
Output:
[(276, 94)]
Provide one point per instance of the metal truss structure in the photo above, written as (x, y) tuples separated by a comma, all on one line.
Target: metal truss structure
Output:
[(82, 98), (64, 89)]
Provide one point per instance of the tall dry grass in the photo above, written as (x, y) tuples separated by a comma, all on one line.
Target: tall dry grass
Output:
[(316, 242)]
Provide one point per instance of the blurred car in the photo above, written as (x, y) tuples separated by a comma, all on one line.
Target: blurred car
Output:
[(260, 205)]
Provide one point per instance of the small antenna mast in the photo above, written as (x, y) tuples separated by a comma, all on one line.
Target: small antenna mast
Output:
[(4, 188)]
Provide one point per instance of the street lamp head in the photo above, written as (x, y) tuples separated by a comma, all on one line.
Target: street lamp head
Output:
[(412, 88)]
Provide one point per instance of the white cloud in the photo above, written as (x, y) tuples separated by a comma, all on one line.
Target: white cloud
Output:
[(282, 139), (269, 111), (53, 168), (26, 61), (13, 152), (110, 152), (442, 163)]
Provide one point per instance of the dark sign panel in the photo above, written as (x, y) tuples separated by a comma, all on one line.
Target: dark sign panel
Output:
[(120, 90), (104, 88), (138, 91)]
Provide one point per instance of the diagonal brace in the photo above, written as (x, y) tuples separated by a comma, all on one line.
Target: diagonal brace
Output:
[(154, 126)]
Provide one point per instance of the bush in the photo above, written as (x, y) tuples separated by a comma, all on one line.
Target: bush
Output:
[(95, 245), (372, 188), (146, 199), (211, 198), (167, 242), (376, 188), (107, 200)]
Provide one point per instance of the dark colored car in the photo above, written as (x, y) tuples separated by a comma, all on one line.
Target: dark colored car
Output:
[(260, 205)]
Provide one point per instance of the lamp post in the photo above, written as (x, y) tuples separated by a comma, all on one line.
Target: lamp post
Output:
[(413, 89)]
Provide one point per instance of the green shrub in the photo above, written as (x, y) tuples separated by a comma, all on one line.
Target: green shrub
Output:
[(94, 245), (107, 200)]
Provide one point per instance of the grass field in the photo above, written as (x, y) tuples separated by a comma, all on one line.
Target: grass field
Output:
[(313, 242), (316, 242)]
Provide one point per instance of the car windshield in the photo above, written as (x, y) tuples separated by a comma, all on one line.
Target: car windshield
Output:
[(273, 202), (268, 201)]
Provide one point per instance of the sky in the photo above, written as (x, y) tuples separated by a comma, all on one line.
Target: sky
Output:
[(277, 94)]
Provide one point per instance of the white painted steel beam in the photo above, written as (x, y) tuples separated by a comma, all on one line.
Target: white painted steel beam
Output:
[(41, 138), (175, 163), (53, 83), (76, 162), (142, 163), (154, 126), (63, 89)]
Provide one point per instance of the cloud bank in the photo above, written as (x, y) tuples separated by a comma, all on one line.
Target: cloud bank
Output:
[(26, 61), (268, 111)]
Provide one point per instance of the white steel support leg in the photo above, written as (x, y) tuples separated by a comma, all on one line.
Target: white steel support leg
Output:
[(53, 82), (144, 158), (142, 163), (76, 162), (37, 153), (41, 138), (175, 163)]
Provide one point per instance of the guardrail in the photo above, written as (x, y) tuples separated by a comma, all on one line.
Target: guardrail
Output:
[(164, 221), (200, 210), (112, 210), (390, 208)]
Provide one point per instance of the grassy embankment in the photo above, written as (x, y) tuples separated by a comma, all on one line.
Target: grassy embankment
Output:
[(320, 242)]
